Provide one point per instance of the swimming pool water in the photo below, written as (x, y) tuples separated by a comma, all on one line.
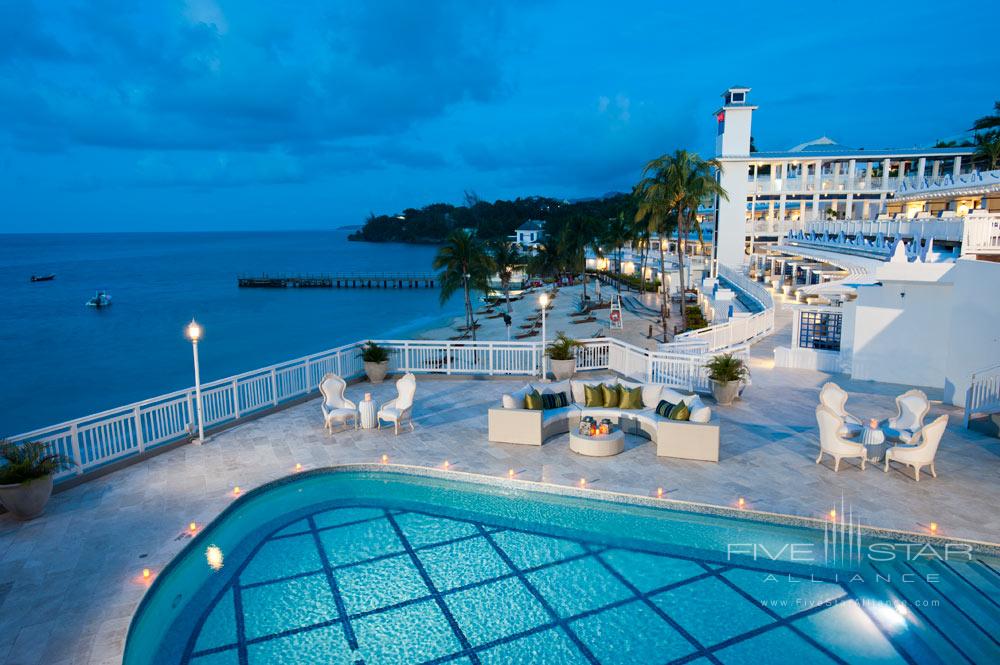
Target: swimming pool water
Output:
[(417, 570)]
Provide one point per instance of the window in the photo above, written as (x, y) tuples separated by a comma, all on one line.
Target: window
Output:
[(738, 97), (820, 330)]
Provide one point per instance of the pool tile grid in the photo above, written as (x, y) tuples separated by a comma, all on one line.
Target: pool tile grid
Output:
[(469, 652)]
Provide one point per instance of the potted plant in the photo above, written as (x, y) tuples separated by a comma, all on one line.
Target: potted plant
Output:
[(562, 354), (726, 371), (26, 477), (376, 359)]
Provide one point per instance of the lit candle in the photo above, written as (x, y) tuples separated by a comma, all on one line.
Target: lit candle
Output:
[(236, 490), (833, 514), (873, 423), (659, 492), (368, 397), (193, 527), (298, 467), (934, 527), (446, 465), (583, 481), (742, 502), (510, 473), (145, 573)]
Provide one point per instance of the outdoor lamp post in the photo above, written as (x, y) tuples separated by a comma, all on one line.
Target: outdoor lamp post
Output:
[(193, 332), (543, 300)]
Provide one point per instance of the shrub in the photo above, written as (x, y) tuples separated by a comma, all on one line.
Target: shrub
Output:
[(28, 461), (562, 348), (373, 353), (726, 367)]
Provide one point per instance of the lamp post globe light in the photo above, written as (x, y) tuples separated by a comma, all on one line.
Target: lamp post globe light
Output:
[(543, 300), (193, 332)]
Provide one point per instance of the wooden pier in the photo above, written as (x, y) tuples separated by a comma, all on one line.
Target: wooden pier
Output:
[(341, 281)]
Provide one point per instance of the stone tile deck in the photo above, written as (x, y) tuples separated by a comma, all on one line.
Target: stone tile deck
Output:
[(69, 582)]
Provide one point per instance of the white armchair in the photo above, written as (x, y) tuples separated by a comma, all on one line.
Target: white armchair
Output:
[(911, 409), (394, 411), (335, 406), (922, 449), (834, 398), (831, 439)]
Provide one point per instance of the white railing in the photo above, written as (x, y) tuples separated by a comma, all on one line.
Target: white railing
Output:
[(983, 393), (96, 440), (982, 233), (738, 330)]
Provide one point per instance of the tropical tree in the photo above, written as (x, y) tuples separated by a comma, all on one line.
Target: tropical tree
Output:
[(988, 150), (617, 232), (991, 121), (546, 259), (464, 264), (506, 258), (673, 186), (581, 234)]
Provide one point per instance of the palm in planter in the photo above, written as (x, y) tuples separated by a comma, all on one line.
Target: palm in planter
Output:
[(376, 359), (726, 372), (562, 354), (26, 477)]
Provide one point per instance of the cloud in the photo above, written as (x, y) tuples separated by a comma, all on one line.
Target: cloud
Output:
[(234, 77)]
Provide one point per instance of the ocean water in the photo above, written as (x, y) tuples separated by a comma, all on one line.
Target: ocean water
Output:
[(62, 360)]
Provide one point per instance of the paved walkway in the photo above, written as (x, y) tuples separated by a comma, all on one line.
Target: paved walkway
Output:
[(70, 581)]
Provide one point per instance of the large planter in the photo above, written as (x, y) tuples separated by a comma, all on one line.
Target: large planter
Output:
[(725, 392), (26, 500), (376, 371), (563, 369)]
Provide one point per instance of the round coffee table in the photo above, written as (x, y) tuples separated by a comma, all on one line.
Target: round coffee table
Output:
[(602, 445), (873, 439)]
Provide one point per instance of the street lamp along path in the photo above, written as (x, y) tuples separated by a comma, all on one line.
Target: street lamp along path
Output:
[(193, 332)]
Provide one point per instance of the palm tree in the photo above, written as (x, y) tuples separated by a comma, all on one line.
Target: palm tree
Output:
[(988, 121), (464, 264), (988, 149), (674, 185), (582, 233), (506, 258), (616, 234), (546, 259)]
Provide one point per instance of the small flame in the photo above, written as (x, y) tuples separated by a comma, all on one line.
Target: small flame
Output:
[(146, 573), (934, 527), (742, 502), (583, 482), (873, 423), (833, 514), (446, 464), (193, 526), (298, 467), (385, 459), (510, 473), (659, 492), (236, 491)]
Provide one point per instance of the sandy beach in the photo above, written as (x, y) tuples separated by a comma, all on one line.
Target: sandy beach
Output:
[(635, 326)]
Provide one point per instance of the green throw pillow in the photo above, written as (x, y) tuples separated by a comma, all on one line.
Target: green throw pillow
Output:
[(663, 408), (611, 395), (631, 398), (593, 396), (680, 412), (533, 401)]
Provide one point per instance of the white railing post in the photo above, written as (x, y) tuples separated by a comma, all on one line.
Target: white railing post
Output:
[(236, 399), (191, 418), (406, 356), (447, 358), (489, 349), (74, 446), (274, 387), (139, 438)]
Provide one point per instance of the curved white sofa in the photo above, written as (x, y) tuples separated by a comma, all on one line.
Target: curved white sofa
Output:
[(695, 439)]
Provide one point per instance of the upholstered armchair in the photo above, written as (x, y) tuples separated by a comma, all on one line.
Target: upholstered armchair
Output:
[(335, 406), (834, 398), (396, 410), (832, 442), (911, 409), (922, 448)]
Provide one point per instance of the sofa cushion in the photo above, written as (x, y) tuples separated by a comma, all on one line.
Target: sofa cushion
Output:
[(578, 390), (675, 397), (551, 415), (647, 416), (554, 400), (558, 387), (515, 400), (700, 413), (593, 395), (533, 401), (631, 398), (679, 412), (611, 395), (663, 408), (651, 394)]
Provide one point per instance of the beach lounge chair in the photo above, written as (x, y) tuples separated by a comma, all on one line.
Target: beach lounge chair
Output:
[(335, 406), (922, 449), (401, 408)]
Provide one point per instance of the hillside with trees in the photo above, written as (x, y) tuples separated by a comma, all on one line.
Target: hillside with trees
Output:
[(491, 221)]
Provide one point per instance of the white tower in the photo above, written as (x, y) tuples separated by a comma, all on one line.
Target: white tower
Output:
[(732, 149)]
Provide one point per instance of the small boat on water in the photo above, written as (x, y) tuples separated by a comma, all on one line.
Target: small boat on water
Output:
[(100, 299), (42, 278)]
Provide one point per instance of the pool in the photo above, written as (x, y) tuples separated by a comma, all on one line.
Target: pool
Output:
[(380, 566)]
